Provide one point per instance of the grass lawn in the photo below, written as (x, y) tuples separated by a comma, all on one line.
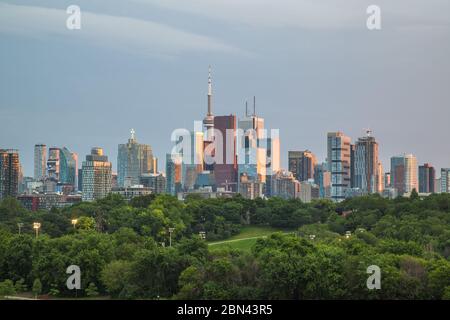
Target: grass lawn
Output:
[(245, 239)]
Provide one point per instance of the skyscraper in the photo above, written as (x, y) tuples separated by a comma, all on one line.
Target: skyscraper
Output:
[(225, 169), (193, 162), (272, 161), (426, 178), (366, 165), (251, 150), (40, 158), (338, 159), (68, 163), (284, 185), (97, 175), (53, 163), (445, 180), (302, 164), (133, 160), (404, 173), (9, 173), (174, 173), (322, 177), (208, 121)]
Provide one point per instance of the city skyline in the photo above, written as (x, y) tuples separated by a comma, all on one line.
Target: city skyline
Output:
[(309, 88)]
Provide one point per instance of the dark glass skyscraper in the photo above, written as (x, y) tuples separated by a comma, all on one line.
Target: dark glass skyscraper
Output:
[(9, 173), (226, 169), (426, 178)]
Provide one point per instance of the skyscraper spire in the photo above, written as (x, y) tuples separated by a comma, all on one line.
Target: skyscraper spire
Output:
[(208, 121)]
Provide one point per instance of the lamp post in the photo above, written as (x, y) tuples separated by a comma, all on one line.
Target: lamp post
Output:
[(20, 225), (170, 236), (202, 235), (74, 223), (36, 227)]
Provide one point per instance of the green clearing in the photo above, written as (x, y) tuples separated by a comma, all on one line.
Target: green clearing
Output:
[(245, 239)]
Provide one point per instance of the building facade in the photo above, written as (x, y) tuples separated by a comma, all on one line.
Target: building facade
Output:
[(40, 158), (97, 175), (9, 173), (366, 165), (427, 177), (302, 164), (226, 167), (445, 180), (404, 173), (339, 164)]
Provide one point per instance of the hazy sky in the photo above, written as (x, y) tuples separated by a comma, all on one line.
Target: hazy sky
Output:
[(313, 66)]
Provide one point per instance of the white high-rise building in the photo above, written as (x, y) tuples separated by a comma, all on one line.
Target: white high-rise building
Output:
[(445, 180), (40, 158)]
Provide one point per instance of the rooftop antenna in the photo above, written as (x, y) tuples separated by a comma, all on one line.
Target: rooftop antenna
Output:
[(254, 105), (246, 108), (368, 132)]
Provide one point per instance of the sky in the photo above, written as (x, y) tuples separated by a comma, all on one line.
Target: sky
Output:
[(313, 66)]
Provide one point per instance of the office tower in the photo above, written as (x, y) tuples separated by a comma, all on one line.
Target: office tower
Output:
[(133, 160), (208, 121), (285, 186), (404, 173), (445, 180), (155, 181), (366, 165), (272, 160), (68, 163), (174, 173), (387, 180), (252, 152), (249, 188), (352, 165), (193, 160), (9, 173), (426, 178), (97, 175), (80, 179), (437, 185), (53, 163), (155, 165), (40, 158), (308, 191), (322, 178), (225, 168), (302, 164), (380, 178), (338, 159)]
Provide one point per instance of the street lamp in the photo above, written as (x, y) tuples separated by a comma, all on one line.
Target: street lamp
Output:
[(36, 227), (20, 225), (170, 236), (348, 234), (202, 235), (74, 223), (312, 236)]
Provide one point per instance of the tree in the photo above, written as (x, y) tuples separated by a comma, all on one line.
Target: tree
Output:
[(37, 288), (7, 288), (91, 290)]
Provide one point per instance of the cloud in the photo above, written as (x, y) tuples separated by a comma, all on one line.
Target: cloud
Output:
[(123, 33), (310, 14)]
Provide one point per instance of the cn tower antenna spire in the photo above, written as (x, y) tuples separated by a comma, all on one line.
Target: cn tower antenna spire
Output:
[(208, 121)]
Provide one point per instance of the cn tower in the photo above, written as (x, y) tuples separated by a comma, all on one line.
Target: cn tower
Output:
[(208, 121)]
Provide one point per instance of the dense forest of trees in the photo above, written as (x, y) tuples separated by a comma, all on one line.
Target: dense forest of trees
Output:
[(123, 248)]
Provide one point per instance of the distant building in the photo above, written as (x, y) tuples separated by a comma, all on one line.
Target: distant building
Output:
[(366, 165), (404, 173), (40, 158), (9, 173), (387, 180), (155, 181), (322, 178), (133, 160), (339, 162), (285, 186), (445, 180), (35, 202), (249, 188), (129, 193), (53, 163), (226, 167), (97, 175), (68, 165), (252, 153), (308, 191), (174, 173), (302, 164), (426, 178), (272, 161)]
